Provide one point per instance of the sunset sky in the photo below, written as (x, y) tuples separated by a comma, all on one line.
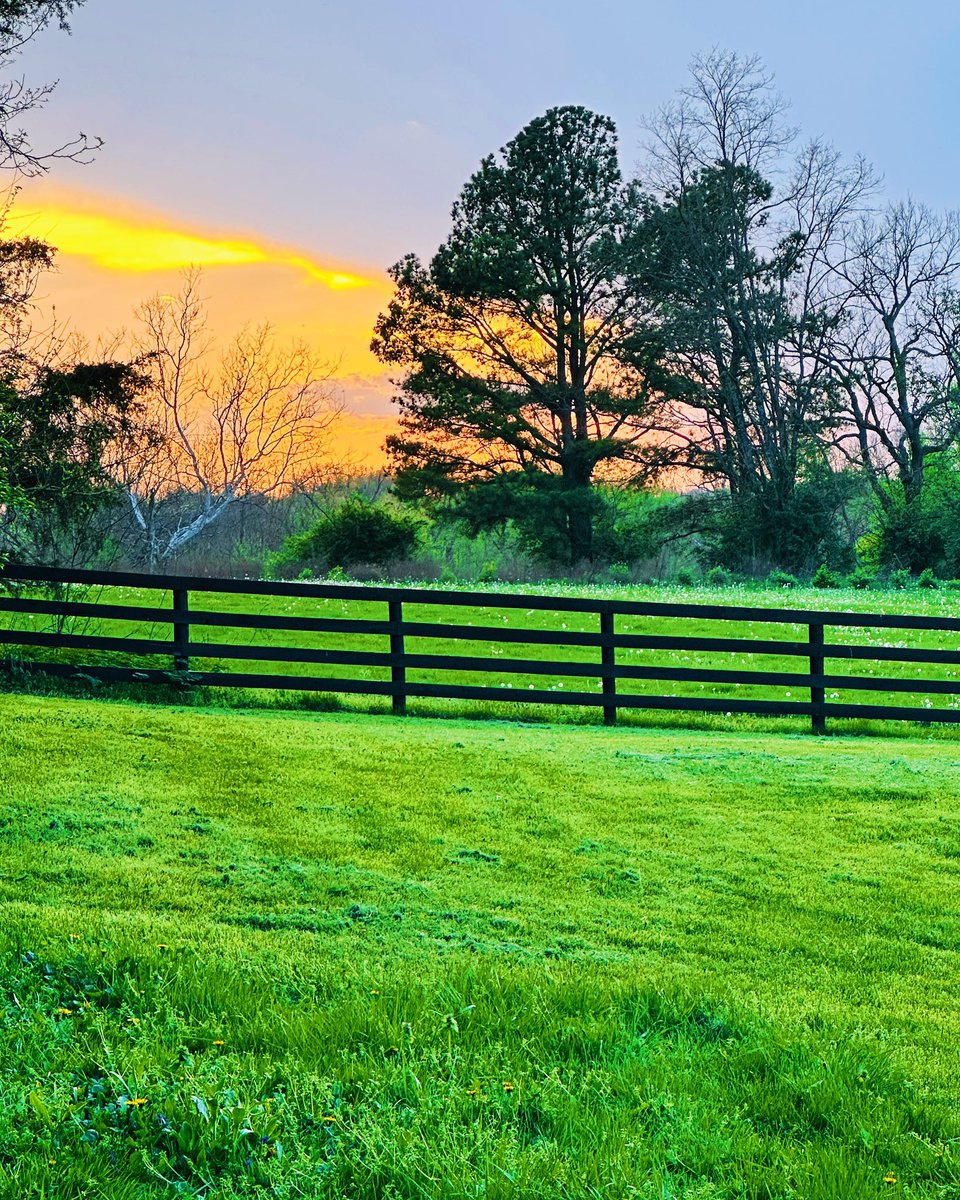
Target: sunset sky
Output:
[(295, 151)]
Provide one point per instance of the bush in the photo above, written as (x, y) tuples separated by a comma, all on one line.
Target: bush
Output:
[(923, 531), (618, 572), (860, 579), (928, 579), (900, 580), (755, 532), (719, 577), (826, 578), (356, 531), (782, 579), (627, 523), (685, 578)]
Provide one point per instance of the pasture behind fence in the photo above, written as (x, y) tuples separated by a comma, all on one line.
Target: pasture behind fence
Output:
[(45, 595)]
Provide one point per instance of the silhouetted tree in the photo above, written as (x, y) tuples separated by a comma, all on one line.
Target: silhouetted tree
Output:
[(20, 22), (736, 259), (526, 339)]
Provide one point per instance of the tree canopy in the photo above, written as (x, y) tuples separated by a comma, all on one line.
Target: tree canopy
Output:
[(527, 343), (61, 437), (20, 22)]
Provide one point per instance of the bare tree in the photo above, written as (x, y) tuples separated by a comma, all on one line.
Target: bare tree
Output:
[(741, 230), (897, 351), (20, 22), (729, 112), (248, 421)]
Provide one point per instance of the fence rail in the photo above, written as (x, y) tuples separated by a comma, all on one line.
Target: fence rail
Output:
[(394, 630)]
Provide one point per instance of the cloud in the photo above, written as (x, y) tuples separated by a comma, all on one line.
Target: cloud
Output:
[(121, 239), (113, 255), (369, 395)]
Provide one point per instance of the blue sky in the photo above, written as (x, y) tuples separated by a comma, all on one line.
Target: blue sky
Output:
[(348, 128)]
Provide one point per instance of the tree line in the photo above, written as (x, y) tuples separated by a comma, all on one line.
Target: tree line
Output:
[(743, 320), (740, 348)]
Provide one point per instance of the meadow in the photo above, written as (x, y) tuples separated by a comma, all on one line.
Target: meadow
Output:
[(342, 955), (210, 646)]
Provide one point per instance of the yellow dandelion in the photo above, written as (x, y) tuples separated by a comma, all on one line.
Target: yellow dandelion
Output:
[(219, 1042), (63, 1012), (473, 1091), (508, 1086), (330, 1120), (162, 946), (889, 1178), (138, 1102)]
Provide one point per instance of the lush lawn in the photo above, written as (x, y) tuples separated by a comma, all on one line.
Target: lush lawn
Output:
[(932, 603), (352, 956)]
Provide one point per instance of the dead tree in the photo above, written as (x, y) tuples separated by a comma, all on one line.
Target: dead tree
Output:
[(250, 420)]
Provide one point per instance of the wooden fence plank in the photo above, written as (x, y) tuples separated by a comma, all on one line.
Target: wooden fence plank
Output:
[(183, 619), (429, 597)]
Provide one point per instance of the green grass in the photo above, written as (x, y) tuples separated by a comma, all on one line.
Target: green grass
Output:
[(933, 603), (353, 956)]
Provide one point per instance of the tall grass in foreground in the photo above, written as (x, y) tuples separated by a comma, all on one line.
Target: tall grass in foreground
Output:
[(170, 1075)]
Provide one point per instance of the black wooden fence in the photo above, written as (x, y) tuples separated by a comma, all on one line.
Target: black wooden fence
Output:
[(66, 608)]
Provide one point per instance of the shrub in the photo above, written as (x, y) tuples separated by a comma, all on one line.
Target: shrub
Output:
[(860, 579), (928, 579), (826, 578), (627, 523), (719, 577), (754, 532), (618, 572), (923, 531), (900, 580), (782, 579), (686, 578), (356, 531)]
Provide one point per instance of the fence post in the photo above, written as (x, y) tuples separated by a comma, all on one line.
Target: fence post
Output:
[(608, 659), (181, 629), (819, 717), (398, 672)]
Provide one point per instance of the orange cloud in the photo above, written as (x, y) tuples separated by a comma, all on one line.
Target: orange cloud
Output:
[(113, 255), (146, 244)]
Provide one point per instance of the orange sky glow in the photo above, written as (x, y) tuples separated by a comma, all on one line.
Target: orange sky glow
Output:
[(113, 255)]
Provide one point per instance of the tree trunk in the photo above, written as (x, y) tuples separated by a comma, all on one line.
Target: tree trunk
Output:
[(579, 499), (580, 529)]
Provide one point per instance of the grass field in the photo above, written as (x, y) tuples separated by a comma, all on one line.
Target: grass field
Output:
[(930, 603), (294, 955)]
